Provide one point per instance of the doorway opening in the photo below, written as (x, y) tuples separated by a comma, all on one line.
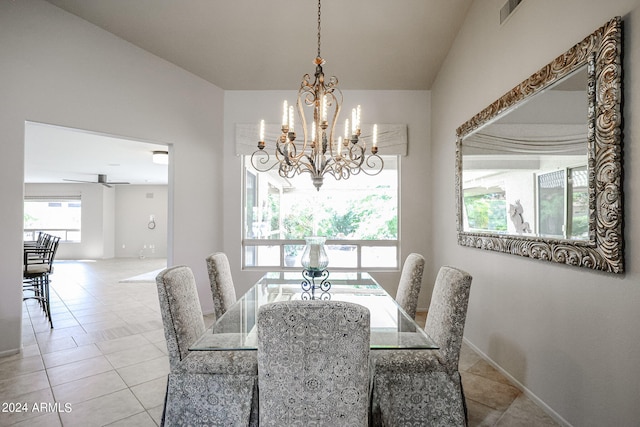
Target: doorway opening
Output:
[(121, 193)]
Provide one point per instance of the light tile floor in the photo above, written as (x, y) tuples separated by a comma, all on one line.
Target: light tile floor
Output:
[(105, 362)]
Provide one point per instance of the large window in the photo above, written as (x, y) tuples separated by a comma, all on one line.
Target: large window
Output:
[(56, 216), (358, 216)]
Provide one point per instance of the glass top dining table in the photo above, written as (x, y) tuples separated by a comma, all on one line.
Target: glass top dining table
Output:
[(391, 327)]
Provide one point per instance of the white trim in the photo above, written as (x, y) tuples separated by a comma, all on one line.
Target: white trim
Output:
[(11, 352), (359, 244)]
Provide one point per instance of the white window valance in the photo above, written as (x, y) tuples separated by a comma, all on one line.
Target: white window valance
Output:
[(392, 138), (529, 138)]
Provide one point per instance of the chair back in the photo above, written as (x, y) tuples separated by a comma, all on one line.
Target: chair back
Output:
[(181, 312), (448, 312), (410, 284), (42, 236), (38, 258), (313, 363), (222, 289), (54, 242)]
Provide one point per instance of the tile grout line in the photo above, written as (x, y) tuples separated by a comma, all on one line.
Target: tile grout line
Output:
[(41, 354)]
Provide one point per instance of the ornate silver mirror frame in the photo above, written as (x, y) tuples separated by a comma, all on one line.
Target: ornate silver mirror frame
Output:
[(603, 248)]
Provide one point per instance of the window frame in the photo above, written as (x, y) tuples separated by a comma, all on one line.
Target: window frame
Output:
[(63, 233), (357, 243)]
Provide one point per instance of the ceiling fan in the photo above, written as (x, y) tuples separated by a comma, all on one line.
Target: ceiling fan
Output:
[(102, 179)]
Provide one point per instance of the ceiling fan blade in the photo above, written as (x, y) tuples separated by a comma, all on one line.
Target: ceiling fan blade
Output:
[(102, 179), (77, 180)]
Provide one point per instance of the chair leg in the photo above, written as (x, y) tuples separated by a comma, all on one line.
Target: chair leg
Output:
[(40, 288), (164, 406), (464, 401), (39, 292), (32, 285), (46, 301)]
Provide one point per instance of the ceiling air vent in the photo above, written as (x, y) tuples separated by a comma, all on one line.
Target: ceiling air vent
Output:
[(508, 9)]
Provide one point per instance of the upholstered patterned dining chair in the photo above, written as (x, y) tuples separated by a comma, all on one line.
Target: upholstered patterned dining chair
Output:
[(423, 387), (222, 289), (215, 388), (313, 363), (410, 283)]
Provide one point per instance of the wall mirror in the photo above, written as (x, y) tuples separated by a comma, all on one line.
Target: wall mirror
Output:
[(539, 171)]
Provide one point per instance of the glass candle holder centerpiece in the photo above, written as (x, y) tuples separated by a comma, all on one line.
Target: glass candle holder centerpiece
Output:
[(314, 257), (315, 261)]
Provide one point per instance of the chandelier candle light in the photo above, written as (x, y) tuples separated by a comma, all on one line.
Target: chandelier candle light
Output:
[(321, 151)]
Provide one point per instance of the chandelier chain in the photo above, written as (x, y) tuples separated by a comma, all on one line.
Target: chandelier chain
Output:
[(319, 29)]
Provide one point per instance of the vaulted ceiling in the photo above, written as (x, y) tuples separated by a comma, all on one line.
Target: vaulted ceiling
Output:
[(270, 44)]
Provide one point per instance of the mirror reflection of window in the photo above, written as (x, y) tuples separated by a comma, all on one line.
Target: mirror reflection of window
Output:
[(528, 152), (563, 203), (485, 210), (579, 206), (551, 203)]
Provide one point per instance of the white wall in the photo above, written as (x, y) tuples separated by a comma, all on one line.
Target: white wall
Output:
[(59, 69), (410, 107), (108, 221), (133, 208), (568, 335)]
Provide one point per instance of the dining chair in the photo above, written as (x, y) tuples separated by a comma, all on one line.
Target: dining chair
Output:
[(215, 388), (37, 266), (423, 387), (222, 289), (410, 283), (38, 241), (313, 363)]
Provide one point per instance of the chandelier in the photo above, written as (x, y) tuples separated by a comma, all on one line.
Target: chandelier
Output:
[(321, 151)]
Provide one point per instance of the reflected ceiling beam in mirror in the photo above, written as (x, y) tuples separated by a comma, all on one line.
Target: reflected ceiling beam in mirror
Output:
[(474, 163)]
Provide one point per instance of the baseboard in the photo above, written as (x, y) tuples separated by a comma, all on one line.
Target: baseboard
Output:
[(553, 414), (11, 352)]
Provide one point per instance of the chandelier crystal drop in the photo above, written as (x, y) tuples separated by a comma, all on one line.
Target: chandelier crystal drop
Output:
[(321, 151)]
